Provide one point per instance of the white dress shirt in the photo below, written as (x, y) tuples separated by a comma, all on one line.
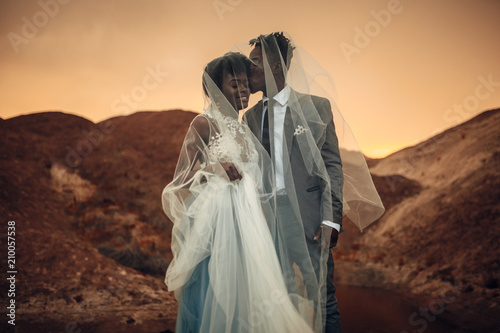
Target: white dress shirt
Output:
[(279, 112)]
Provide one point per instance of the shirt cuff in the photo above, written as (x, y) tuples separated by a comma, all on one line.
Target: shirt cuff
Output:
[(331, 224)]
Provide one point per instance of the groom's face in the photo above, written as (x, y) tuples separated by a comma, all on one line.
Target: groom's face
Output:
[(257, 77)]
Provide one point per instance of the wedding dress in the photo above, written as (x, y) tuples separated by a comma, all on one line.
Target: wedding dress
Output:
[(225, 271), (245, 255)]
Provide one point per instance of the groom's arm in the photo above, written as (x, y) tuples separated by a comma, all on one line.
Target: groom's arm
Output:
[(331, 156)]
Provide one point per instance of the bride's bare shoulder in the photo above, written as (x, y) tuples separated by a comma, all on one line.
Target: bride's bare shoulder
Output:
[(201, 124)]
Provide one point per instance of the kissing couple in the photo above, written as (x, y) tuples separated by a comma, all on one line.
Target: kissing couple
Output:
[(258, 197)]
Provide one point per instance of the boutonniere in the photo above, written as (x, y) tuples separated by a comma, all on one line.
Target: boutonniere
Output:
[(299, 130)]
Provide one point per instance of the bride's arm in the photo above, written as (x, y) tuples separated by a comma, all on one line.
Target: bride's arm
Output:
[(200, 134)]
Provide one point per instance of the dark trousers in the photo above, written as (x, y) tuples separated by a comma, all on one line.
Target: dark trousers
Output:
[(307, 255)]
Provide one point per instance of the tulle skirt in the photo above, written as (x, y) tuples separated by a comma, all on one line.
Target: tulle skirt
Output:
[(225, 272)]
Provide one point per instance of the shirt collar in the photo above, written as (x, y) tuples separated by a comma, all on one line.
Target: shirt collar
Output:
[(283, 96)]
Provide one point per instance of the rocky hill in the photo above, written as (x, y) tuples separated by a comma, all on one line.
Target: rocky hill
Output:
[(92, 242), (439, 240), (82, 194)]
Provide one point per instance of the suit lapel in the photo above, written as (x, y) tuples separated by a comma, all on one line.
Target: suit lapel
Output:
[(254, 119)]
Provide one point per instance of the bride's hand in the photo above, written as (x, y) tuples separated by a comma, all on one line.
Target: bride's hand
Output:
[(231, 171)]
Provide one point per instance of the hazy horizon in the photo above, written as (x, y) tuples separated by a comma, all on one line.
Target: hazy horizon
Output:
[(404, 70)]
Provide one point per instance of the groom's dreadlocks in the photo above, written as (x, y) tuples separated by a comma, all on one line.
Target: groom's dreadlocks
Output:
[(276, 42)]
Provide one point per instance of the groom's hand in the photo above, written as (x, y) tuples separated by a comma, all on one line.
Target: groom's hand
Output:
[(334, 237)]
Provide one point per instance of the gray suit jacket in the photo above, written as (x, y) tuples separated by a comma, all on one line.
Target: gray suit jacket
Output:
[(316, 202)]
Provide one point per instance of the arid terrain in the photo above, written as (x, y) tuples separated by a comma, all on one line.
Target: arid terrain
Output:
[(92, 242), (439, 240)]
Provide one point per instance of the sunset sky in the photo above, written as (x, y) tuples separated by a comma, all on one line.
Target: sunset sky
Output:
[(404, 70)]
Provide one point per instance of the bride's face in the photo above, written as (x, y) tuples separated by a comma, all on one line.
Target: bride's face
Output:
[(235, 89)]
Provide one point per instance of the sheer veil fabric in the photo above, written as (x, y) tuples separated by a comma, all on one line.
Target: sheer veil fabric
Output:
[(317, 184), (225, 272), (249, 246), (308, 80)]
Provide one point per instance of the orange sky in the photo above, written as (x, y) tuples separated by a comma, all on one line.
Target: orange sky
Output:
[(422, 66)]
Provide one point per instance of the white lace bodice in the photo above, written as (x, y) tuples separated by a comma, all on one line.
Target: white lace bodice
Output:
[(229, 143)]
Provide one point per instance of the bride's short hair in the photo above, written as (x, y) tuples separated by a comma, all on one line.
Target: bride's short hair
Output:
[(229, 63)]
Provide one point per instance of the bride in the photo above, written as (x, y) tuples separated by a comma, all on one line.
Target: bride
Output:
[(225, 273)]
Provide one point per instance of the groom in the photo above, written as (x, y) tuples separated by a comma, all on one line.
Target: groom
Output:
[(270, 121)]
